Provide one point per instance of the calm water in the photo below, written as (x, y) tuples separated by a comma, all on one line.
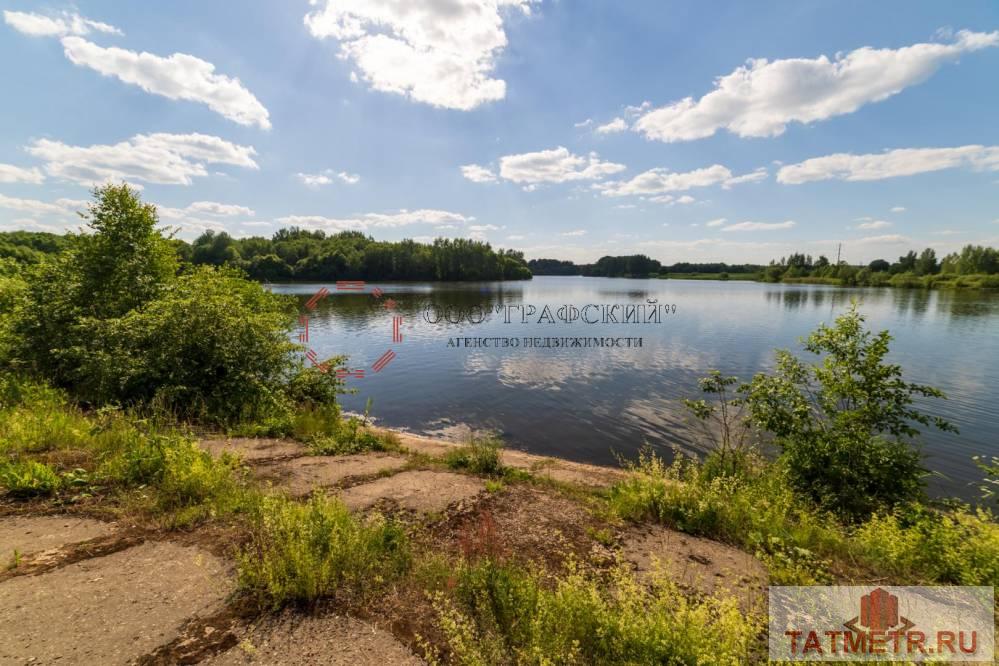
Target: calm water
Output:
[(587, 404)]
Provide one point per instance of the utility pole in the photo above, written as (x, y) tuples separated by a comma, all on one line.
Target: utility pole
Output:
[(839, 250)]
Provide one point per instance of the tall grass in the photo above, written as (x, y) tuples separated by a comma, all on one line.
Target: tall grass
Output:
[(500, 613), (304, 552), (755, 510)]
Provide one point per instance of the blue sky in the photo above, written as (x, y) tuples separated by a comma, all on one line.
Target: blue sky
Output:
[(730, 132)]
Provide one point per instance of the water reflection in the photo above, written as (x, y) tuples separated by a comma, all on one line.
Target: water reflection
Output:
[(587, 403)]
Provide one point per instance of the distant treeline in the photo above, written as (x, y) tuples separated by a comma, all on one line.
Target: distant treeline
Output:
[(297, 254), (973, 266), (637, 265)]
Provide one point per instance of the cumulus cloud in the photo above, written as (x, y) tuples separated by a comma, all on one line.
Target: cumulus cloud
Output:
[(483, 227), (751, 177), (61, 207), (762, 97), (660, 181), (874, 224), (478, 174), (557, 165), (898, 209), (374, 220), (15, 174), (889, 164), (887, 239), (438, 53), (614, 126), (325, 177), (760, 226), (210, 208), (515, 237), (574, 233), (167, 159), (716, 223), (56, 25), (179, 76)]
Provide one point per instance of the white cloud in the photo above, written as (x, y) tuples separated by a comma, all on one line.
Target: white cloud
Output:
[(374, 220), (889, 164), (762, 97), (483, 227), (887, 239), (614, 126), (440, 53), (752, 177), (325, 177), (179, 76), (760, 226), (62, 207), (167, 159), (574, 233), (584, 123), (557, 165), (898, 209), (716, 223), (58, 25), (661, 181), (15, 174), (515, 237), (478, 174), (947, 232), (211, 208), (874, 224)]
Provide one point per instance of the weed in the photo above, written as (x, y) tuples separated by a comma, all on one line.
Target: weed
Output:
[(29, 478), (303, 552), (501, 613), (480, 456)]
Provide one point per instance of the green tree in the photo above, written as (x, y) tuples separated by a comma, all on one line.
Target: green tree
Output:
[(927, 264), (846, 425)]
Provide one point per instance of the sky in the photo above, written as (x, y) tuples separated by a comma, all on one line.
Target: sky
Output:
[(570, 129)]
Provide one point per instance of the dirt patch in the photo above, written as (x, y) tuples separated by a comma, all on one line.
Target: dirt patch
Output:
[(528, 524), (32, 534), (300, 475), (698, 564), (294, 638), (563, 471), (109, 610), (254, 449), (419, 490)]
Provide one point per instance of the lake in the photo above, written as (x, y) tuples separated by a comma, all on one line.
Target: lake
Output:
[(592, 403)]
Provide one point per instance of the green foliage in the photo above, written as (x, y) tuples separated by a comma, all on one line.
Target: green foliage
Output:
[(503, 614), (482, 455), (28, 478), (845, 424), (312, 255), (212, 345), (924, 545), (723, 423), (307, 552), (755, 510), (990, 484)]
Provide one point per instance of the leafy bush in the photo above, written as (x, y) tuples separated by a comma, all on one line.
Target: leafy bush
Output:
[(846, 424), (480, 456), (503, 614), (923, 545), (302, 552), (990, 484), (28, 479)]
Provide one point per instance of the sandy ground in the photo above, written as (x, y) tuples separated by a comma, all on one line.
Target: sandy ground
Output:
[(698, 564), (419, 490), (108, 610), (254, 449), (33, 534), (300, 475), (335, 640)]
